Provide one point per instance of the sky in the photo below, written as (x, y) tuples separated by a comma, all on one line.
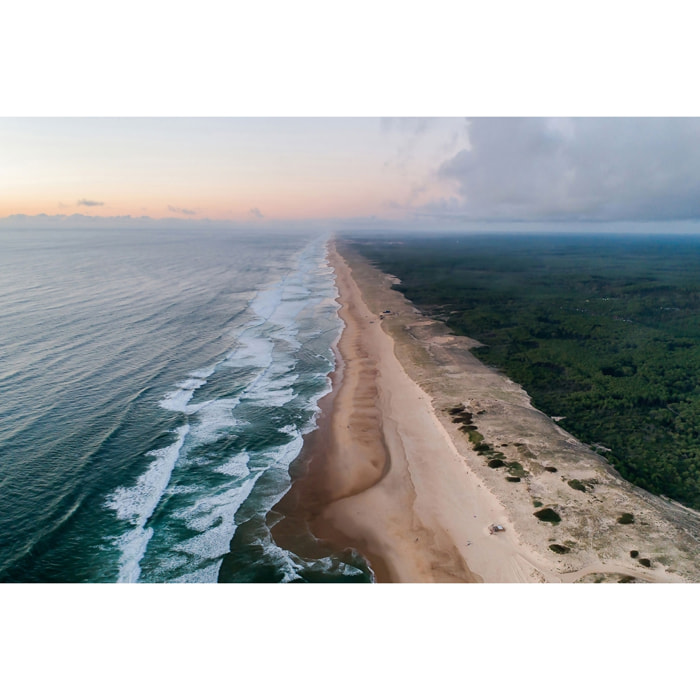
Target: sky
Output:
[(442, 173), (224, 168)]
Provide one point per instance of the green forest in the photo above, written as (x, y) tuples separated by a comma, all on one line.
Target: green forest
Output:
[(603, 330)]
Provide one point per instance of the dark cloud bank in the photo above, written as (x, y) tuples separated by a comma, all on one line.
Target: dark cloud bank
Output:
[(584, 169)]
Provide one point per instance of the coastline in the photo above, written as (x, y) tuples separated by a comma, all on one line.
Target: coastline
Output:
[(388, 473)]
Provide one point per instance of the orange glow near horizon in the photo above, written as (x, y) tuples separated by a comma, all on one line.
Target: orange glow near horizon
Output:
[(285, 169)]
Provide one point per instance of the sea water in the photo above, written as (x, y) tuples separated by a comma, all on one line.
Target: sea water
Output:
[(154, 389)]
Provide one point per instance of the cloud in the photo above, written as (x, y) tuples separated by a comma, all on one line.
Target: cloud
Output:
[(89, 203), (407, 133), (406, 125), (585, 169), (178, 210), (257, 213)]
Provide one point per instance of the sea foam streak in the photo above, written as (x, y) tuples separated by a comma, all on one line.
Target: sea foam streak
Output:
[(278, 348), (137, 503)]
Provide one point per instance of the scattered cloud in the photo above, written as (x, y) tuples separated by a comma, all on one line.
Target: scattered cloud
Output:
[(257, 213), (179, 210), (575, 170), (89, 203)]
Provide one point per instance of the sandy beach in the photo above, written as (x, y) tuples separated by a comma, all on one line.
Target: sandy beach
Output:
[(389, 473)]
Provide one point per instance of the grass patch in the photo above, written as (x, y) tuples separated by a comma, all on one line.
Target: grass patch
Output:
[(547, 515), (475, 437), (516, 469), (559, 548), (626, 519)]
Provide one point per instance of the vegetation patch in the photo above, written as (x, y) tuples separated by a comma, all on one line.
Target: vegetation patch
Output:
[(626, 519), (634, 553), (577, 485), (516, 469), (537, 504), (603, 331), (475, 437), (496, 463), (514, 479), (548, 515), (559, 548), (627, 579), (553, 470), (645, 562)]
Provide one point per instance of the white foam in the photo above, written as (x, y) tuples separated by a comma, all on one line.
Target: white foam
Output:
[(274, 393), (214, 518), (237, 466), (177, 400), (213, 417), (255, 351), (208, 574), (137, 503), (133, 546), (267, 300)]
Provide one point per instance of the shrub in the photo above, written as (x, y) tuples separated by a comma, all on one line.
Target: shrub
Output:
[(516, 469), (550, 469), (626, 519), (548, 515), (577, 485), (513, 478), (626, 579), (496, 463), (645, 562), (634, 553), (475, 436), (537, 504), (559, 548)]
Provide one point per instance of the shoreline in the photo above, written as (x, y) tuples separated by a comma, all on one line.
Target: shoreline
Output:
[(365, 477), (388, 473)]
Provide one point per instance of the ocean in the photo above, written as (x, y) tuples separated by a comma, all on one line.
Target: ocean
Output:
[(155, 387)]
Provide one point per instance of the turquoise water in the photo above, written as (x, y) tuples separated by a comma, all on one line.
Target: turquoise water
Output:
[(154, 389)]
